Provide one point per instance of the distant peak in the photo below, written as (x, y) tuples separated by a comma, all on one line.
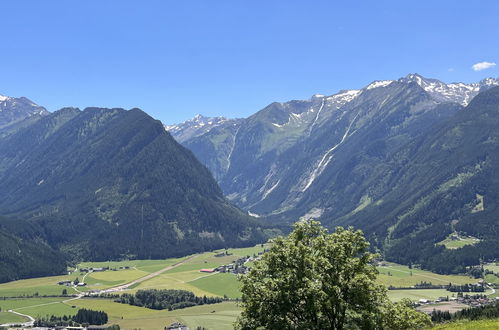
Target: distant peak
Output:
[(379, 83), (3, 98), (489, 81)]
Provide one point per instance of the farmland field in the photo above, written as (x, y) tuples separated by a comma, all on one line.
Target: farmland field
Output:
[(6, 317), (185, 276), (492, 267), (416, 294), (41, 285), (216, 316), (455, 241), (403, 276)]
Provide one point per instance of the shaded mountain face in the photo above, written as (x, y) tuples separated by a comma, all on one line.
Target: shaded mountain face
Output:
[(104, 183), (442, 181), (369, 158), (13, 110), (20, 258), (276, 161)]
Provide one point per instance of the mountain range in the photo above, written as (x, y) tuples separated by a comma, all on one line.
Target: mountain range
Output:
[(354, 158), (409, 161), (104, 184)]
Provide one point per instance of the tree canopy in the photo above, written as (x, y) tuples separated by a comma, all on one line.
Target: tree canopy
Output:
[(316, 280)]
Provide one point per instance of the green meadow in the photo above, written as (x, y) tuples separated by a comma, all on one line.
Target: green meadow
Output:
[(403, 276), (455, 241), (186, 276), (42, 285), (6, 317)]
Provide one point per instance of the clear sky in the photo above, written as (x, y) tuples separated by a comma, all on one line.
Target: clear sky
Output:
[(174, 59)]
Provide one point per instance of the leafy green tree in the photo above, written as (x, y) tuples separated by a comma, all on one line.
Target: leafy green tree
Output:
[(401, 315), (315, 280)]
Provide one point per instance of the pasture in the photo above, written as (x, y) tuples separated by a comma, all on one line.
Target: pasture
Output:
[(403, 276), (216, 316), (6, 317), (455, 241), (41, 285), (416, 294)]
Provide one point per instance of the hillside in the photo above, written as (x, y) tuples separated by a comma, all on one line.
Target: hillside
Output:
[(108, 183), (445, 179), (23, 259), (366, 158)]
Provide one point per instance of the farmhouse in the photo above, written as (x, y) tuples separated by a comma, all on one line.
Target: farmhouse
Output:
[(207, 270), (176, 326)]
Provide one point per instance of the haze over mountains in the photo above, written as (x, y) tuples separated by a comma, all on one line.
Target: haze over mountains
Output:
[(354, 158)]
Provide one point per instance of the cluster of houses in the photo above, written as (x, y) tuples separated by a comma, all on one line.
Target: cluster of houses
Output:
[(236, 267), (177, 326), (101, 269), (71, 283), (475, 300)]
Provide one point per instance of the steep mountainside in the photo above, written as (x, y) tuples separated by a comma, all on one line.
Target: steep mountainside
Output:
[(368, 158), (443, 181), (103, 183), (27, 258), (16, 109), (272, 162)]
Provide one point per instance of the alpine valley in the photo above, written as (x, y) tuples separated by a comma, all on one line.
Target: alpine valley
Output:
[(101, 184), (411, 162)]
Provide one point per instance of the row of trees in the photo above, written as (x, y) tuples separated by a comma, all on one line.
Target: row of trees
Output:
[(475, 313), (166, 299), (82, 317)]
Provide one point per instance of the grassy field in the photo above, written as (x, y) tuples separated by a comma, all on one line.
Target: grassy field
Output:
[(216, 316), (492, 267), (41, 285), (220, 284), (416, 294), (461, 241), (469, 325), (188, 277), (6, 317), (402, 276)]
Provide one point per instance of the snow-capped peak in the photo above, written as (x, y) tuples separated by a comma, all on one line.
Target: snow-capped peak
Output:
[(379, 83), (3, 98), (198, 125), (454, 92)]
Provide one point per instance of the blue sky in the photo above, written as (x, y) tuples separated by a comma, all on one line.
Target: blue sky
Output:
[(174, 59)]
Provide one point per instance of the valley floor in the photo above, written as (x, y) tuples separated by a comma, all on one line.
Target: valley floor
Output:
[(40, 297)]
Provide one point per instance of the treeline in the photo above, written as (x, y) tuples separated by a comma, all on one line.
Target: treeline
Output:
[(474, 313), (83, 316), (166, 299), (466, 288)]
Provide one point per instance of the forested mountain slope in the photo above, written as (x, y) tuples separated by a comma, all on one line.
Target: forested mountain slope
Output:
[(107, 183)]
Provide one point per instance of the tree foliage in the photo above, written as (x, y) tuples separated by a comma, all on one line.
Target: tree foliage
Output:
[(316, 280)]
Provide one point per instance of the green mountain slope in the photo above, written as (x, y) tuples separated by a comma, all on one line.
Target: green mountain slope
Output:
[(105, 183), (26, 258), (443, 181)]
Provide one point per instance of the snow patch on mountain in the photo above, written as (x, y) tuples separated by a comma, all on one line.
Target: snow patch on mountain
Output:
[(454, 92), (379, 83), (196, 126)]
